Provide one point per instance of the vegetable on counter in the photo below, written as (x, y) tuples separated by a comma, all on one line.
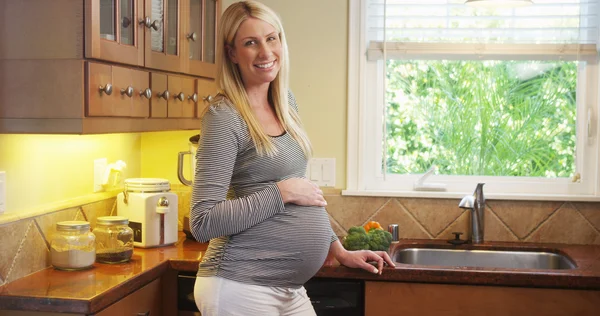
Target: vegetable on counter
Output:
[(372, 225), (368, 237)]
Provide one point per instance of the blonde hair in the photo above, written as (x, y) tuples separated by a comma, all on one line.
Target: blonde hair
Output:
[(232, 87)]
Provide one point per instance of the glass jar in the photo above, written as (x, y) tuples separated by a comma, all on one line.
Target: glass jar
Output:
[(72, 246), (114, 239)]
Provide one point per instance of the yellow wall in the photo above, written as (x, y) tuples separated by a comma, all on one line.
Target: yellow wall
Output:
[(47, 169), (317, 33), (159, 154)]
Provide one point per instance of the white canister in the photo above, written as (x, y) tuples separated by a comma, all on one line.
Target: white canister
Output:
[(151, 209)]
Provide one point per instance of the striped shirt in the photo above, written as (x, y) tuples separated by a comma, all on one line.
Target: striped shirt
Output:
[(254, 238)]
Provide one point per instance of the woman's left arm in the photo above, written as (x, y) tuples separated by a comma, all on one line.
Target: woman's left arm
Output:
[(360, 258)]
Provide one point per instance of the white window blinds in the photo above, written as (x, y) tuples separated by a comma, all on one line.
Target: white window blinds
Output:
[(561, 25)]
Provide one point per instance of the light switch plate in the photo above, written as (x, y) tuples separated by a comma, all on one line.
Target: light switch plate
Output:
[(321, 171), (99, 170), (2, 192)]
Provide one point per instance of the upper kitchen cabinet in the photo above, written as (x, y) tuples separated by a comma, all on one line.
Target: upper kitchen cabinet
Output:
[(112, 31), (164, 34), (169, 35), (200, 25), (103, 66)]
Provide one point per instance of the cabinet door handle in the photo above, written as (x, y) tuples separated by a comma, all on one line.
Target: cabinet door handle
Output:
[(207, 98), (164, 95), (154, 25), (146, 93), (106, 89), (180, 96), (192, 36), (128, 91), (193, 97), (144, 314), (145, 21)]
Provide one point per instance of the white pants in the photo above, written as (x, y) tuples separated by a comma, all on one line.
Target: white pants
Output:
[(216, 296)]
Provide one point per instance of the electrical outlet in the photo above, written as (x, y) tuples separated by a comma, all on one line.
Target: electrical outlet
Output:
[(2, 192), (99, 170)]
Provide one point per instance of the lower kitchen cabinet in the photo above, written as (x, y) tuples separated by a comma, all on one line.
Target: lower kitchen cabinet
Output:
[(146, 301), (397, 298)]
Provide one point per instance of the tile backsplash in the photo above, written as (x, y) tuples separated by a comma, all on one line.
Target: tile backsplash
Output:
[(25, 243)]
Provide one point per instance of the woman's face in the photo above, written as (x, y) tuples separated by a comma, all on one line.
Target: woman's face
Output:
[(256, 50)]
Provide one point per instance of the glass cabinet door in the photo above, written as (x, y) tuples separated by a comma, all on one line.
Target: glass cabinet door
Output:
[(163, 50), (126, 22), (194, 34), (117, 15), (108, 10), (201, 36), (113, 32), (210, 27)]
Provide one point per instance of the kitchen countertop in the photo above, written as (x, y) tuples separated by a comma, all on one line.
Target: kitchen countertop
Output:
[(89, 291)]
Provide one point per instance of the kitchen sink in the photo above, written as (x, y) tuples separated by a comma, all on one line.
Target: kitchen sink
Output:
[(518, 259)]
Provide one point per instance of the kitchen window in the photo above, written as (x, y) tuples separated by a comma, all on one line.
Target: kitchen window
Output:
[(504, 96)]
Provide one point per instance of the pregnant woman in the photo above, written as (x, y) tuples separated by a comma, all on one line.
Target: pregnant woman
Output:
[(274, 234)]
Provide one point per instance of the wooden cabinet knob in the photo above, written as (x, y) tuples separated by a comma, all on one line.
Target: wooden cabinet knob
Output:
[(193, 97), (146, 93), (180, 96), (192, 36), (106, 89), (164, 95), (154, 25), (207, 98), (128, 91), (145, 21)]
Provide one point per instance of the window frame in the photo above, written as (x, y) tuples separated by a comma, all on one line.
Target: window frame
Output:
[(363, 178)]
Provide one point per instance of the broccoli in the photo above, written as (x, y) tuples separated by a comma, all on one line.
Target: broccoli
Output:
[(379, 239), (357, 239)]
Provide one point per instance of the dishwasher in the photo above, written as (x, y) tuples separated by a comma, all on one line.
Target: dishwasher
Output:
[(330, 297)]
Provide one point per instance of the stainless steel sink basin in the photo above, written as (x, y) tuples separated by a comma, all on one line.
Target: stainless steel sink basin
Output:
[(483, 258)]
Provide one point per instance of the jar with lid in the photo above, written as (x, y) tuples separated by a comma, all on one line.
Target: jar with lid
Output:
[(73, 246), (114, 239)]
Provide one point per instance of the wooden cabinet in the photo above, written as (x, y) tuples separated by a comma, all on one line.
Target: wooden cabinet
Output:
[(151, 299), (117, 91), (112, 31), (145, 301), (102, 66), (176, 96), (206, 90), (200, 20), (168, 35), (397, 298)]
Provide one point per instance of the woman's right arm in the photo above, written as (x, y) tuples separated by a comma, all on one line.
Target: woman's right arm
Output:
[(211, 214)]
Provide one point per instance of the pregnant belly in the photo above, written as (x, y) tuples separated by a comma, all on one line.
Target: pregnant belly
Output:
[(291, 246)]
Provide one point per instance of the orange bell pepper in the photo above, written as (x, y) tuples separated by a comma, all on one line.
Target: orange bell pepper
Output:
[(372, 225)]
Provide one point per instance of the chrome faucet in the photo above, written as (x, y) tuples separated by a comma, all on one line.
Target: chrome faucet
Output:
[(476, 203)]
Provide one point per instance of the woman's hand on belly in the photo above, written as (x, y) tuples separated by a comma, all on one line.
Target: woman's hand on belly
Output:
[(301, 191)]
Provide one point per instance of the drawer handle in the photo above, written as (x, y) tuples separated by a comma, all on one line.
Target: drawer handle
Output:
[(180, 96), (128, 91), (164, 95), (192, 36), (207, 98), (193, 97), (146, 93), (144, 314), (106, 89)]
